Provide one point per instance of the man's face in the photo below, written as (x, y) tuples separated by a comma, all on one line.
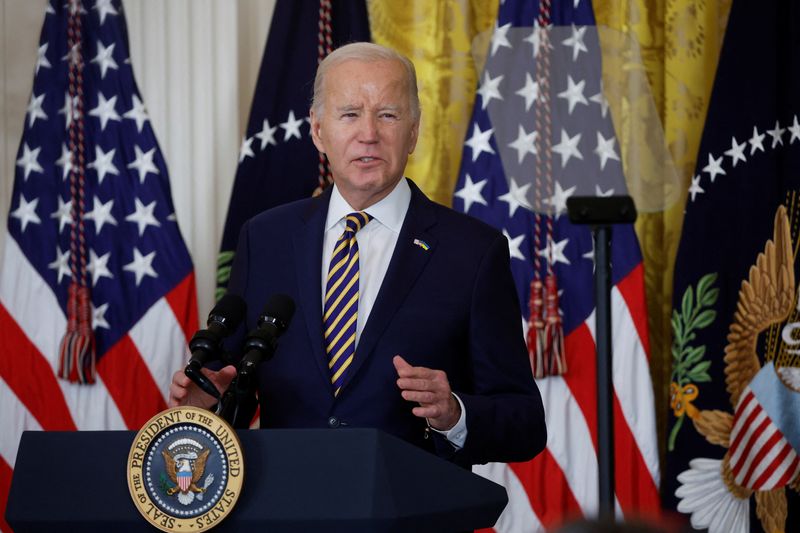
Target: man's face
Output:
[(366, 128)]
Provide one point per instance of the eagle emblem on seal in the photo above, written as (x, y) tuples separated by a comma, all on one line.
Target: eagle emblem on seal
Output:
[(760, 434), (185, 462)]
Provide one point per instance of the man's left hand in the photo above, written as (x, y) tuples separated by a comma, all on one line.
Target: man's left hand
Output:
[(431, 390)]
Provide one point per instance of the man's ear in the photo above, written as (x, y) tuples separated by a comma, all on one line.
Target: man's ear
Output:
[(414, 136), (316, 131)]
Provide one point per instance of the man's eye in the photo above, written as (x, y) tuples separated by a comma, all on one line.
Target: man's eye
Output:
[(389, 115), (348, 115)]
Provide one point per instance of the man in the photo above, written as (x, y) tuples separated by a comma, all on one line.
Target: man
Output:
[(407, 318)]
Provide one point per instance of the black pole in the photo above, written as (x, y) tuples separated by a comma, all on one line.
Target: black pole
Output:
[(601, 213), (238, 405), (605, 387)]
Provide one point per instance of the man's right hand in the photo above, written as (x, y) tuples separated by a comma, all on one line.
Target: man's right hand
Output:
[(184, 391)]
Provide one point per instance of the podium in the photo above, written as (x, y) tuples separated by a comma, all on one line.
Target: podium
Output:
[(354, 480)]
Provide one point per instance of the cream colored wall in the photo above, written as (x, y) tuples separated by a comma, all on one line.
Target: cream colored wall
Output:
[(196, 63)]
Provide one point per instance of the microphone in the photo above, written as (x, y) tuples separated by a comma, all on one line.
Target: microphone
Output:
[(261, 343), (223, 320), (239, 402)]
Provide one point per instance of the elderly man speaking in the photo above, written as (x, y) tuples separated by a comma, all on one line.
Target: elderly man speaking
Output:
[(407, 316)]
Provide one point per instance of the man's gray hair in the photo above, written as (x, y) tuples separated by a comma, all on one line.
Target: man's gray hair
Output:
[(367, 52)]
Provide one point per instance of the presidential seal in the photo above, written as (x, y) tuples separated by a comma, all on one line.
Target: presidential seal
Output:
[(759, 430), (185, 469)]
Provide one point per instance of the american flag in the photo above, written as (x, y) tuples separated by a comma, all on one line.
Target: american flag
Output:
[(137, 265), (497, 183)]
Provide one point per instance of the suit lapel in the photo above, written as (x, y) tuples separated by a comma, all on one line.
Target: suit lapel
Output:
[(408, 262), (307, 240)]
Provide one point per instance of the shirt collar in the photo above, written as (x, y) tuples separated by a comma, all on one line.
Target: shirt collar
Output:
[(390, 211)]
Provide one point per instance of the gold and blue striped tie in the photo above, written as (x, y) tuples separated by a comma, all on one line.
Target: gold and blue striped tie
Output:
[(341, 300)]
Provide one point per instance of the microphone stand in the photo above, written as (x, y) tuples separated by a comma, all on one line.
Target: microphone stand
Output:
[(600, 213), (238, 403)]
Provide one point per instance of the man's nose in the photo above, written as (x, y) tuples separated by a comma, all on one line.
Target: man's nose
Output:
[(369, 129)]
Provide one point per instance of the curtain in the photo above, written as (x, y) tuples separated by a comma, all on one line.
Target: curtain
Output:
[(679, 43)]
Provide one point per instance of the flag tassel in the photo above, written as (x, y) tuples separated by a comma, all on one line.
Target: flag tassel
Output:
[(536, 330), (77, 357), (554, 331)]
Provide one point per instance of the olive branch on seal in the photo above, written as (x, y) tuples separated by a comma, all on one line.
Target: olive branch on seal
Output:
[(164, 483), (688, 364)]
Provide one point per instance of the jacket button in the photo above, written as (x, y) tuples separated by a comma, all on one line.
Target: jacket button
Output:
[(333, 422)]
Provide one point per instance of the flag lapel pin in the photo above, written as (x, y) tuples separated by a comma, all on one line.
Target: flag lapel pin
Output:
[(422, 244)]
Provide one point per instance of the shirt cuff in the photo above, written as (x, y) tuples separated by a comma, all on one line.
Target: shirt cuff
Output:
[(456, 435)]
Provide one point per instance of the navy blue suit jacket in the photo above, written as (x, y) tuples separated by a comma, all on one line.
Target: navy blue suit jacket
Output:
[(452, 307)]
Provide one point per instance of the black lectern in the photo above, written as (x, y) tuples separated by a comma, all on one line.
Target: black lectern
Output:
[(295, 480)]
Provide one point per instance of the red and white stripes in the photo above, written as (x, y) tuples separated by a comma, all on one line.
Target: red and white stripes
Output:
[(561, 483), (760, 456), (132, 377)]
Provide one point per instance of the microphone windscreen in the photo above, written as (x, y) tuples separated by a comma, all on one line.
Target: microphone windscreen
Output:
[(230, 311), (280, 307)]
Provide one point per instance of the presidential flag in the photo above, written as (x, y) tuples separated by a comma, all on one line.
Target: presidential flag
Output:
[(733, 433), (94, 261), (541, 132), (278, 163)]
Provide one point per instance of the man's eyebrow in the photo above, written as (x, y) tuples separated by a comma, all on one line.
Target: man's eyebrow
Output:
[(354, 107)]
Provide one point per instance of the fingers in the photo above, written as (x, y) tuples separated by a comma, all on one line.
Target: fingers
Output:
[(431, 412), (183, 391), (222, 378), (420, 384), (421, 397), (229, 372), (433, 395), (431, 390), (420, 378), (181, 379), (178, 389), (405, 370), (400, 364), (424, 380)]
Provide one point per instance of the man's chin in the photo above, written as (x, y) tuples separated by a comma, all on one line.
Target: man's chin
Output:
[(368, 179), (366, 189)]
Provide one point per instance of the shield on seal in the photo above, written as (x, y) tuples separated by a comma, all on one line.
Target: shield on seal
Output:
[(184, 479), (763, 455)]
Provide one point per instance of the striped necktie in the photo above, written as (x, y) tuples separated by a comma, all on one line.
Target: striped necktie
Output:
[(341, 300)]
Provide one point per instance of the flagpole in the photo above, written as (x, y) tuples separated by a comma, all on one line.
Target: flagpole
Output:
[(600, 213)]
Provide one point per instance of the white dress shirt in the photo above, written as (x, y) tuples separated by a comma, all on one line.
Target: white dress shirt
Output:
[(376, 243)]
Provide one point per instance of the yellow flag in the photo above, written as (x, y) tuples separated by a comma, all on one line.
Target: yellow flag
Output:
[(438, 37), (678, 44)]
